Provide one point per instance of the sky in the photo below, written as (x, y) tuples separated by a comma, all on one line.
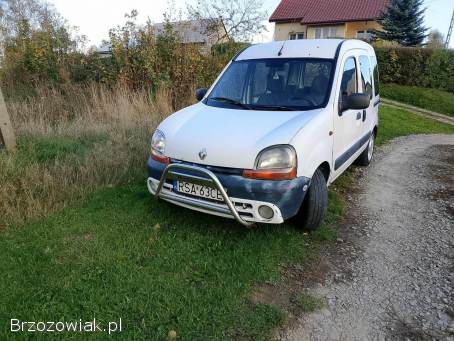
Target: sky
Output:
[(94, 18)]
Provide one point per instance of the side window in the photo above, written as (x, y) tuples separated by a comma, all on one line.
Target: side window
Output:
[(366, 75), (349, 84), (376, 76)]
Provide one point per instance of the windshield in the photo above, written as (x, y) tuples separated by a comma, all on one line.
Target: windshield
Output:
[(274, 84)]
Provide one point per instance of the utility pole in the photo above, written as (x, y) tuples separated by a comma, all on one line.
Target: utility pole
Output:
[(7, 138), (448, 37)]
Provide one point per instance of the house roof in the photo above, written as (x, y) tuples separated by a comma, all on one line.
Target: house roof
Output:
[(190, 31), (328, 11)]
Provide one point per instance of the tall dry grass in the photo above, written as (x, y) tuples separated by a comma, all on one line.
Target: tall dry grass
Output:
[(72, 143)]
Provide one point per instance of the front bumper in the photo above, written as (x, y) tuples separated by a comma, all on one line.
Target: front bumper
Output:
[(244, 198)]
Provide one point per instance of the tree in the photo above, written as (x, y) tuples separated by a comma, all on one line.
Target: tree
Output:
[(435, 40), (403, 23), (242, 19), (37, 44)]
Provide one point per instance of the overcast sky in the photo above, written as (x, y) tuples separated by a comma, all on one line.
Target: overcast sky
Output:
[(95, 17)]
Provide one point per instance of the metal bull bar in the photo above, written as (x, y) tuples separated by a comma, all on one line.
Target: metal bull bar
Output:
[(171, 172)]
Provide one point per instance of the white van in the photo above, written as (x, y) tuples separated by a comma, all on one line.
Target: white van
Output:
[(281, 123)]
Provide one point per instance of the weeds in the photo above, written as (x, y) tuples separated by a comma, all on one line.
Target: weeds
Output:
[(71, 145), (308, 303)]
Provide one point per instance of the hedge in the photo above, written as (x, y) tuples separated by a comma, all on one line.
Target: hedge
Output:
[(429, 68)]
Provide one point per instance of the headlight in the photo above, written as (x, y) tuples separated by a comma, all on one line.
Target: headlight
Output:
[(277, 157), (158, 142)]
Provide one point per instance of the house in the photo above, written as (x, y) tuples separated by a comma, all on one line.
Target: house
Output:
[(104, 51), (203, 33), (309, 19)]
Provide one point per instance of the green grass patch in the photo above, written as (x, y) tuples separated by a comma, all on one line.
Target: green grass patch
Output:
[(397, 122), (450, 313), (430, 99), (43, 149), (308, 303), (159, 268)]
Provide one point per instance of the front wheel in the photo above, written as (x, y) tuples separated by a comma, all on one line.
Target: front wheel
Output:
[(315, 204), (366, 156)]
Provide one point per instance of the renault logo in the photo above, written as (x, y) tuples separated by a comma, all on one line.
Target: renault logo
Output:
[(203, 154)]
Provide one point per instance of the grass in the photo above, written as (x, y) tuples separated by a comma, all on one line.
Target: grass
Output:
[(70, 146), (308, 303), (397, 122), (430, 99), (123, 254), (450, 313), (118, 253)]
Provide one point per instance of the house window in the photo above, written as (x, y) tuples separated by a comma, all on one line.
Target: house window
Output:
[(295, 36), (326, 32), (365, 35)]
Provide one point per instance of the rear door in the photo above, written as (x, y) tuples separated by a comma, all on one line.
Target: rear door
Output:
[(376, 94), (347, 124)]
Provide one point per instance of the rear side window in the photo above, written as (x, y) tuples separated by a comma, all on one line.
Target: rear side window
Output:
[(349, 84), (366, 75), (376, 76)]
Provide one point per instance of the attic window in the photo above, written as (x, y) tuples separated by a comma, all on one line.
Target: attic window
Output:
[(296, 36)]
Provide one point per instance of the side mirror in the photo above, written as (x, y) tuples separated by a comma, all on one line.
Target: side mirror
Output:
[(355, 102), (200, 93)]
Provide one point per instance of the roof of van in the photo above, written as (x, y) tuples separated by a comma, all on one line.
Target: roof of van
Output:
[(303, 48)]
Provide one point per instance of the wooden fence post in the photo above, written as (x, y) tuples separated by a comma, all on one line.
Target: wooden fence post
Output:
[(7, 138)]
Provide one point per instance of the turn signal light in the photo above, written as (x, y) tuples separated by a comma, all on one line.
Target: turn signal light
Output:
[(270, 174), (160, 158)]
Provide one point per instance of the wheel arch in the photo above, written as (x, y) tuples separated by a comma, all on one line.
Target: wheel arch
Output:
[(325, 169)]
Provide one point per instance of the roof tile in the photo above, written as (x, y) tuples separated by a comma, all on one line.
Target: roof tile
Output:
[(327, 11)]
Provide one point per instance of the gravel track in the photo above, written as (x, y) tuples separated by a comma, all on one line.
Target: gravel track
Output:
[(391, 274)]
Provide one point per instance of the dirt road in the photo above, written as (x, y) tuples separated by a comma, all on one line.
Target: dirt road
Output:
[(391, 276)]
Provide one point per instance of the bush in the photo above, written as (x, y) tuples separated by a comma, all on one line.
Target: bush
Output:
[(48, 54), (430, 68)]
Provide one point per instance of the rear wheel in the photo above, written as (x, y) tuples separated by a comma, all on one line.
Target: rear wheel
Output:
[(315, 204), (366, 156)]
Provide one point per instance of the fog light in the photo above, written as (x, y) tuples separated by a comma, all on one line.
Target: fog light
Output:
[(266, 212), (152, 187)]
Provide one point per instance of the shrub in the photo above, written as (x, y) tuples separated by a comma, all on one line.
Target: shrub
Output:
[(432, 68)]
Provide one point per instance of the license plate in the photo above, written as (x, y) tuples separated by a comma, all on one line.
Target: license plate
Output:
[(198, 190)]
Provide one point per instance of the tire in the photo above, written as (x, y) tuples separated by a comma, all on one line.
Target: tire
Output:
[(366, 156), (315, 204)]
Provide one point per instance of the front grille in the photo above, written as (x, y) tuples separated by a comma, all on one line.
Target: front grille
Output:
[(214, 169)]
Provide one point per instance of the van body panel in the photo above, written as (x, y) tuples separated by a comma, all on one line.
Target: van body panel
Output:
[(231, 137)]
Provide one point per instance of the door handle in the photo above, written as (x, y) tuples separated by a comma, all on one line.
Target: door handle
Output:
[(359, 115), (364, 115)]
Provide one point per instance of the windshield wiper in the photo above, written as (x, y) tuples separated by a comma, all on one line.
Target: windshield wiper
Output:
[(273, 107), (231, 101)]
